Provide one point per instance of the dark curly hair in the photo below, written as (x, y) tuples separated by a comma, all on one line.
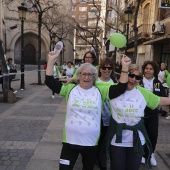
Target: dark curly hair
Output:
[(93, 56), (154, 65)]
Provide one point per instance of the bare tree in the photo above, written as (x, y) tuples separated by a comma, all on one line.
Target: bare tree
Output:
[(91, 34), (58, 27), (41, 7), (5, 71), (136, 32)]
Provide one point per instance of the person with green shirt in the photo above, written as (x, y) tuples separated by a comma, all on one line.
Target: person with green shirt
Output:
[(89, 57), (106, 74), (126, 134), (83, 112), (163, 73)]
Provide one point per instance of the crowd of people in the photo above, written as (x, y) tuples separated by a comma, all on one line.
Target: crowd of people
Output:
[(109, 117)]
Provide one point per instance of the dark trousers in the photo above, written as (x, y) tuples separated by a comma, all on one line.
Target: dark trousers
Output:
[(102, 136), (151, 125), (124, 158), (10, 80), (70, 153)]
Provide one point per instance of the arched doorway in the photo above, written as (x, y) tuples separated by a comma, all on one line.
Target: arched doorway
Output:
[(29, 54)]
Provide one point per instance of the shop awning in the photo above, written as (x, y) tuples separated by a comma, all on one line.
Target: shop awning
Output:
[(158, 40)]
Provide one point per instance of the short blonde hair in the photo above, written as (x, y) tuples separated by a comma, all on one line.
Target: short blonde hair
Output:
[(134, 67)]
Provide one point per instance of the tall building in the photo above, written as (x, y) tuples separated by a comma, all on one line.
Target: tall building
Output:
[(113, 24), (10, 31), (89, 17)]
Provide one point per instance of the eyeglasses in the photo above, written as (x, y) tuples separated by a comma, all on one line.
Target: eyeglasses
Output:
[(90, 75), (137, 77), (88, 57), (104, 68)]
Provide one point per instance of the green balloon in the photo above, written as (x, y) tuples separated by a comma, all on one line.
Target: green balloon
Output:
[(118, 40), (168, 80)]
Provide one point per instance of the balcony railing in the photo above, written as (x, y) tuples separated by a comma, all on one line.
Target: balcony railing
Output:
[(144, 32)]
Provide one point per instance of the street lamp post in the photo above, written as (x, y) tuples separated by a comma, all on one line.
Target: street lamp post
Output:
[(128, 13), (53, 41), (105, 39), (22, 16)]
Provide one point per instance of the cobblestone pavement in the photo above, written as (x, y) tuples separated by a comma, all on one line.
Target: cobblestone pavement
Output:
[(31, 130)]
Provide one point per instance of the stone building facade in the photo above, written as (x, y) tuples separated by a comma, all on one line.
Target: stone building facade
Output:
[(10, 34), (153, 30)]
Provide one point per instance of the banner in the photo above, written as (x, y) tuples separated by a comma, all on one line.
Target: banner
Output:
[(164, 4)]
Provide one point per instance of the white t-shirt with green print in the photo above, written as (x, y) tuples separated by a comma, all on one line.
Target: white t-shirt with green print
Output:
[(83, 114), (129, 108)]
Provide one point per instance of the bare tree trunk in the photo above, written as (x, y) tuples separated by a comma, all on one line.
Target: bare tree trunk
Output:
[(136, 33), (5, 71), (39, 47)]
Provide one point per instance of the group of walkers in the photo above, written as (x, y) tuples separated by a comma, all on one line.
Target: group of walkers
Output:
[(109, 118)]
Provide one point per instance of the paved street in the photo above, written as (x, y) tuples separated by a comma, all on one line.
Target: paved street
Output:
[(31, 130)]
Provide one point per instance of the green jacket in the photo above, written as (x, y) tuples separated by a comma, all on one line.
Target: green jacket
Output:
[(116, 128), (58, 71), (165, 75)]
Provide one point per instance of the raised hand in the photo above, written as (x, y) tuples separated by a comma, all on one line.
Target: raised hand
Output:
[(126, 60), (57, 49)]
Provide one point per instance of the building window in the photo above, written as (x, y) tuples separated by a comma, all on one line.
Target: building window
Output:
[(83, 9), (73, 1), (110, 14), (73, 8), (82, 33), (81, 41), (93, 9), (82, 24), (82, 17), (83, 0), (94, 0), (91, 23), (93, 15)]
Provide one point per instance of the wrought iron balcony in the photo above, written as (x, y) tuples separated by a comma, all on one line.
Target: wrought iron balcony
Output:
[(144, 33)]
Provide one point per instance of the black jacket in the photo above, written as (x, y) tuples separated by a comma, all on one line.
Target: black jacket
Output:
[(159, 90)]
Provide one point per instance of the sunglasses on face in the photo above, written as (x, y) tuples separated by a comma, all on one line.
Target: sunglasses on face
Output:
[(137, 77), (104, 68)]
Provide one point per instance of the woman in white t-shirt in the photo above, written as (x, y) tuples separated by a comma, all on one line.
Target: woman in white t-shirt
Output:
[(69, 70), (105, 71), (163, 73), (83, 113), (126, 134)]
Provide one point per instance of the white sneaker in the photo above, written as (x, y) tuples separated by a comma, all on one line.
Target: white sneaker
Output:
[(143, 160), (168, 117), (15, 91), (52, 96), (58, 47), (153, 160)]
